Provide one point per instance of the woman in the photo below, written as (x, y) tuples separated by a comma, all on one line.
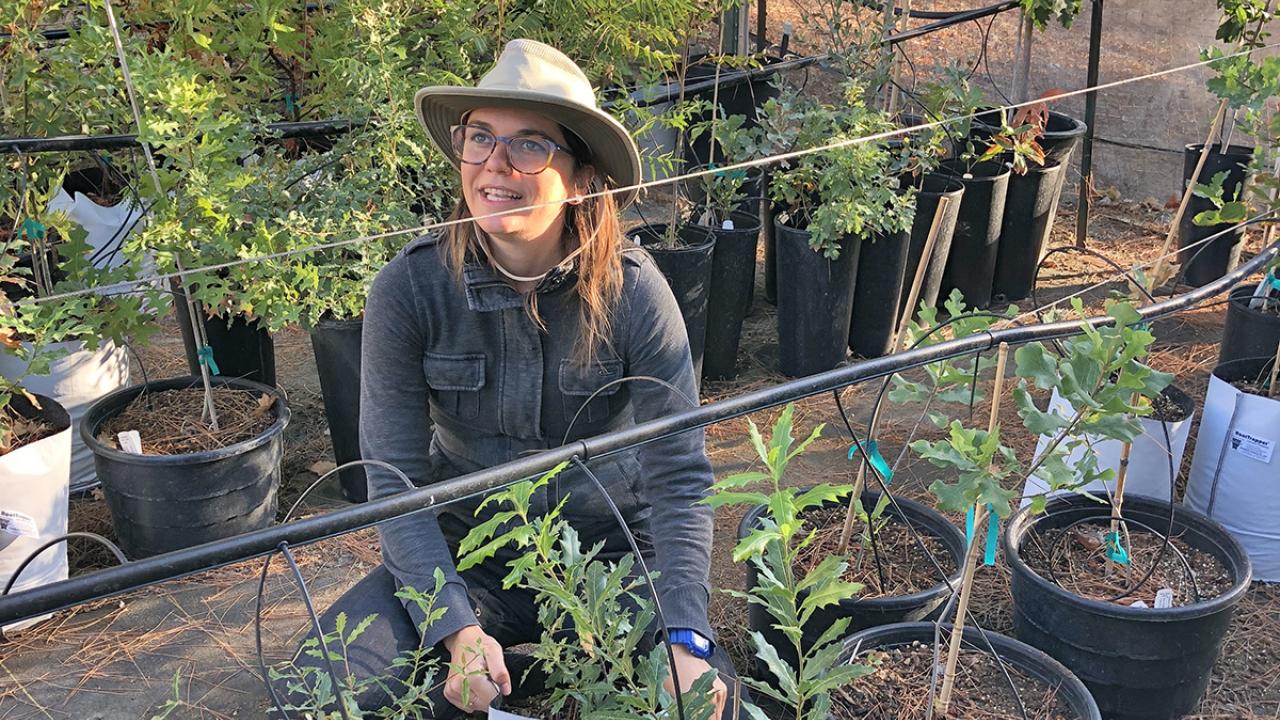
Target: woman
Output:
[(496, 332)]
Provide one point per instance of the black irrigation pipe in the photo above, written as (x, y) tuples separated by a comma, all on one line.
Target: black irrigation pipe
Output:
[(639, 98), (937, 14), (188, 561)]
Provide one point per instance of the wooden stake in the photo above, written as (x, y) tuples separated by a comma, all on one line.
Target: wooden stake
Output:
[(1275, 372), (980, 514), (846, 533), (1117, 497)]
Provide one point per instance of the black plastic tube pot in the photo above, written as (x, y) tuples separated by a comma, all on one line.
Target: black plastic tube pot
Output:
[(865, 612), (1139, 663), (242, 348), (971, 264), (877, 293), (739, 94), (1249, 332), (336, 344), (815, 299), (1067, 687), (1205, 262), (932, 188), (161, 503), (687, 268), (1029, 211), (1062, 133), (733, 272)]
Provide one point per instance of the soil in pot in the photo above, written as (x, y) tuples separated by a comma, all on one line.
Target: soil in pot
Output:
[(1076, 559), (26, 428), (899, 689), (908, 569), (170, 422)]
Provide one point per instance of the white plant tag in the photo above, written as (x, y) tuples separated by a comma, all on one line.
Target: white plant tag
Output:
[(495, 714), (726, 225), (1139, 604), (17, 523), (1252, 446), (130, 442), (1164, 598)]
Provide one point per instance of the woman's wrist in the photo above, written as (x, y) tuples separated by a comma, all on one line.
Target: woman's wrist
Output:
[(466, 636)]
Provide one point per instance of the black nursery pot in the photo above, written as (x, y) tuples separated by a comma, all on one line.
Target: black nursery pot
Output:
[(742, 91), (336, 344), (1021, 656), (687, 268), (161, 503), (864, 613), (932, 188), (242, 348), (971, 264), (733, 272), (1249, 333), (815, 299), (1029, 212), (877, 293), (1062, 133), (1205, 262), (1139, 663)]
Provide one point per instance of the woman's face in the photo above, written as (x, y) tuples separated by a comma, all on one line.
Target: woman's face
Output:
[(495, 186)]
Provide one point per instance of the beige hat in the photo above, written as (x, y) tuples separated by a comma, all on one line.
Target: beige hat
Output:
[(533, 76)]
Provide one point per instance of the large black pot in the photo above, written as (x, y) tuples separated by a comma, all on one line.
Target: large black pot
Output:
[(242, 348), (1018, 655), (1248, 333), (815, 299), (971, 264), (931, 189), (161, 503), (733, 272), (336, 344), (687, 268), (1062, 133), (1029, 211), (1207, 261), (864, 613), (877, 293), (1139, 663)]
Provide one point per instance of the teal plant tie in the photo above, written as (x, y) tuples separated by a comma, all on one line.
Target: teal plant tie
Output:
[(288, 103), (33, 229), (206, 359), (1115, 550), (993, 533), (968, 528), (1273, 281), (877, 460)]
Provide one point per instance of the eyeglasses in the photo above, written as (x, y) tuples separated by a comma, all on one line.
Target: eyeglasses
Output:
[(528, 154)]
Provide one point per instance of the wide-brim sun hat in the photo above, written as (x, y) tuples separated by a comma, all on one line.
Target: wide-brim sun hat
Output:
[(530, 75)]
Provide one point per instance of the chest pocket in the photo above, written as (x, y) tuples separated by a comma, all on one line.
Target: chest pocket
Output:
[(577, 383), (455, 382)]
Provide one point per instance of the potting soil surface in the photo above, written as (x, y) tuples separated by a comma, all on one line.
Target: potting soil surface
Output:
[(906, 566), (1254, 388), (172, 422), (899, 689), (24, 431), (1166, 410), (1077, 560)]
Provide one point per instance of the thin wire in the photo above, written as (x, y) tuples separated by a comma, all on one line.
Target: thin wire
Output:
[(648, 579), (754, 162)]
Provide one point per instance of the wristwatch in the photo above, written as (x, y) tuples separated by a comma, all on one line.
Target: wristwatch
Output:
[(698, 645)]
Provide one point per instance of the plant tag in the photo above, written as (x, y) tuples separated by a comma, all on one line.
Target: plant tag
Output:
[(13, 522), (1139, 604), (496, 714), (1164, 598), (726, 225), (1252, 446), (130, 442)]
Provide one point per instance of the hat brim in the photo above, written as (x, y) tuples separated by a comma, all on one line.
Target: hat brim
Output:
[(614, 152)]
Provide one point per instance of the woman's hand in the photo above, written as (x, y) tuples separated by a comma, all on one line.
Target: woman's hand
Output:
[(691, 668), (477, 670)]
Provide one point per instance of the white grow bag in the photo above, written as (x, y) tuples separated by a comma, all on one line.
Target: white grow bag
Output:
[(1235, 473), (33, 510), (1148, 472)]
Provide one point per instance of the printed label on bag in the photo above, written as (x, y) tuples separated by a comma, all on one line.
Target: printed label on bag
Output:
[(13, 522), (1252, 446)]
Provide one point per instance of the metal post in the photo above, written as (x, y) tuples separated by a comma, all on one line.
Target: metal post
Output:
[(1090, 113), (761, 41)]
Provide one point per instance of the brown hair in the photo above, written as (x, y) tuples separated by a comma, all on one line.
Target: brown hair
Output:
[(595, 224)]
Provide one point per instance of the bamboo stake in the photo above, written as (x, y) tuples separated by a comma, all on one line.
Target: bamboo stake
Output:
[(1275, 372), (846, 533), (971, 556), (1117, 498)]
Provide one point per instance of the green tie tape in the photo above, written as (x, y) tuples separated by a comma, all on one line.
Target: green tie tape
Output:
[(993, 533), (206, 359), (33, 229), (288, 104), (1115, 549), (877, 460)]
